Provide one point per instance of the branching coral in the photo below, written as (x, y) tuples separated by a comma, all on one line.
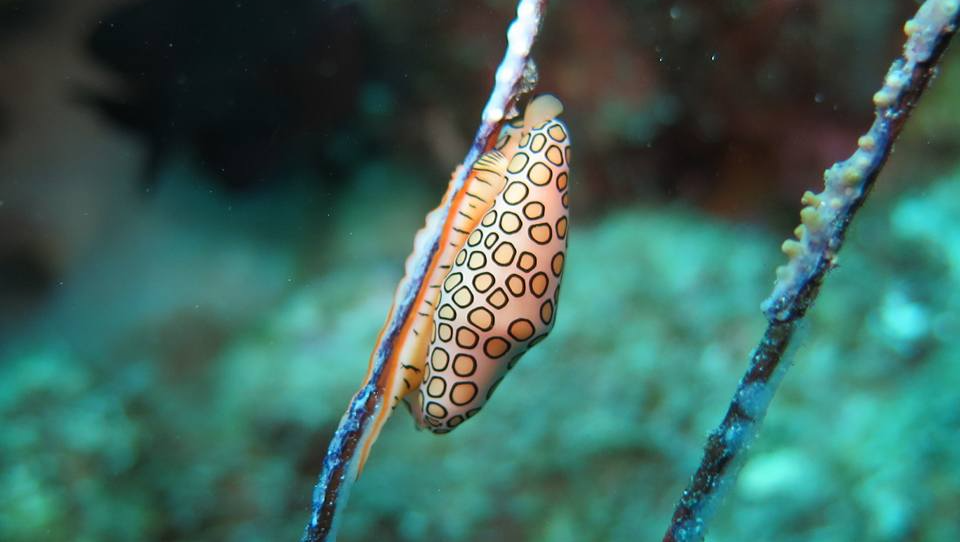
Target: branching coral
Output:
[(825, 220)]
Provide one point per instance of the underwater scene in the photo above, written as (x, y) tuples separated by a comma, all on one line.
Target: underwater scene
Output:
[(259, 261)]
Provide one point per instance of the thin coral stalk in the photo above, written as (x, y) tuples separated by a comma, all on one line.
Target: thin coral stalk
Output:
[(341, 464), (825, 219)]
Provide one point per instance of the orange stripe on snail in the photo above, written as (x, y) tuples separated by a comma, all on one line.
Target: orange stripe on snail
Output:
[(404, 369)]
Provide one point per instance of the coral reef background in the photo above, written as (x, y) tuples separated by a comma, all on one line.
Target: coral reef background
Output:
[(204, 208)]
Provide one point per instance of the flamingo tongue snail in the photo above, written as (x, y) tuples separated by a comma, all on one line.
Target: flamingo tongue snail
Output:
[(500, 297), (491, 288)]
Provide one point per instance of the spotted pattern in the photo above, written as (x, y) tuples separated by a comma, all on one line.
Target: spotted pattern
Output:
[(500, 295), (498, 299)]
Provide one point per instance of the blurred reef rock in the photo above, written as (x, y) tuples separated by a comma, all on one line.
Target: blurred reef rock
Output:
[(219, 437)]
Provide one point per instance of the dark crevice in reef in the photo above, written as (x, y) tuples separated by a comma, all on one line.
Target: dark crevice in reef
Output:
[(249, 91)]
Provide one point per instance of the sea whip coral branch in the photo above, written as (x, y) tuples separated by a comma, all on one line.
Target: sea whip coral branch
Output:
[(340, 465), (825, 219)]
